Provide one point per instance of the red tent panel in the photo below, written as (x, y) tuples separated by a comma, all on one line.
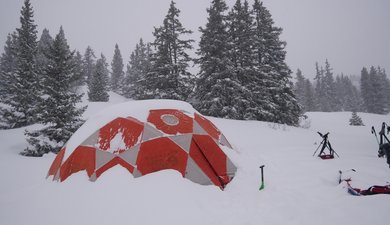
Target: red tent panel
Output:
[(115, 161), (207, 126), (131, 130), (83, 158), (214, 155), (200, 159), (159, 154), (171, 121), (55, 166)]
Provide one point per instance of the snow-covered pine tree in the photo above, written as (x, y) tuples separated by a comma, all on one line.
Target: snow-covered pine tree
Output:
[(89, 63), (43, 47), (273, 71), (78, 78), (366, 90), (239, 27), (137, 69), (355, 120), (329, 99), (7, 70), (24, 89), (98, 85), (309, 102), (169, 76), (299, 89), (217, 85), (385, 87), (58, 114), (347, 94), (117, 74), (265, 105), (319, 88), (378, 82)]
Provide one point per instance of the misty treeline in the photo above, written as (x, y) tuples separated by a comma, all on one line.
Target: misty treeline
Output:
[(241, 60), (368, 93), (242, 73)]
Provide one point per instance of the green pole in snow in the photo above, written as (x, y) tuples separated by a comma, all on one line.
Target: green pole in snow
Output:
[(262, 178)]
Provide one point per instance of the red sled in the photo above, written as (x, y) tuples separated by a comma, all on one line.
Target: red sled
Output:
[(326, 156)]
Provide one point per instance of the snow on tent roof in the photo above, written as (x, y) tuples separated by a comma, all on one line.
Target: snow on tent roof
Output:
[(136, 109)]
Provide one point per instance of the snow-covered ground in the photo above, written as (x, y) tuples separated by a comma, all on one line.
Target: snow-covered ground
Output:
[(299, 188)]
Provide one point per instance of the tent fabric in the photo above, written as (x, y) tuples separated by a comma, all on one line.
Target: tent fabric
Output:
[(168, 139)]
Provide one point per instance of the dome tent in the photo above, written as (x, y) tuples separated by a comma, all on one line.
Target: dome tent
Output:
[(146, 137)]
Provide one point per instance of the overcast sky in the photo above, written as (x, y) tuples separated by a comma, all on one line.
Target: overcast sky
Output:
[(349, 33)]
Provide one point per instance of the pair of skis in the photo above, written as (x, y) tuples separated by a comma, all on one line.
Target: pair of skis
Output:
[(350, 189)]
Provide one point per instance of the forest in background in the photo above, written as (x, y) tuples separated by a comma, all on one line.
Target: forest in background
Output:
[(242, 75)]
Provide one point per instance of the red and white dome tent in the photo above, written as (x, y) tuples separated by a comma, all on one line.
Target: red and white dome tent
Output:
[(146, 137)]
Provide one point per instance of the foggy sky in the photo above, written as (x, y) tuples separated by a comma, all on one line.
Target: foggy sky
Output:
[(349, 33)]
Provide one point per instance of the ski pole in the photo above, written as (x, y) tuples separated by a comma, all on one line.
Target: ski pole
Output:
[(262, 178), (318, 147)]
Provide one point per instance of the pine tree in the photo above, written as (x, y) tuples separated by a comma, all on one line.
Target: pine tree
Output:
[(89, 64), (169, 76), (366, 90), (7, 65), (265, 104), (299, 89), (355, 120), (217, 84), (7, 70), (378, 82), (57, 112), (385, 88), (117, 74), (347, 94), (240, 30), (310, 101), (24, 89), (273, 71), (43, 47), (98, 85), (137, 69), (328, 95), (78, 78)]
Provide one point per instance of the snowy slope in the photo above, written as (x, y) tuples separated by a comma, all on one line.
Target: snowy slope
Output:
[(300, 188)]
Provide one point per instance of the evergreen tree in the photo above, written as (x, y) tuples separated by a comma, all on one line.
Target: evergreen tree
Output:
[(347, 94), (217, 85), (89, 64), (273, 70), (98, 85), (265, 104), (7, 65), (239, 27), (57, 112), (319, 90), (366, 90), (7, 70), (169, 76), (378, 82), (78, 78), (117, 74), (328, 95), (137, 69), (385, 88), (24, 89), (309, 99), (43, 47), (299, 89), (355, 120)]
